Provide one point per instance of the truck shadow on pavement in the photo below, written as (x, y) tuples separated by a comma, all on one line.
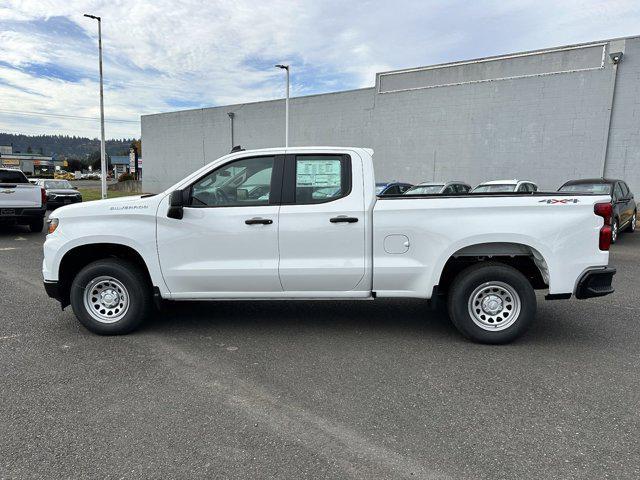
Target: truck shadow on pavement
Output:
[(405, 316), (405, 319)]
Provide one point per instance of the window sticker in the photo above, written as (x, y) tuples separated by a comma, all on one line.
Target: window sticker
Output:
[(318, 173)]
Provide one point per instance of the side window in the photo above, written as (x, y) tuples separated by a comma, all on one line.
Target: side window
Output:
[(625, 189), (450, 190), (522, 187), (245, 182), (461, 189), (322, 178), (617, 192), (404, 188), (534, 188), (394, 190)]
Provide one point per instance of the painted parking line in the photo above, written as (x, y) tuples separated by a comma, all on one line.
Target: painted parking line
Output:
[(5, 249)]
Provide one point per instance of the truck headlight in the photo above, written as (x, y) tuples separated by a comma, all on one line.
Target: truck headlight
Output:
[(53, 225)]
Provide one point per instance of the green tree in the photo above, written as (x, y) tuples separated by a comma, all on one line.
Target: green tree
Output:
[(94, 160)]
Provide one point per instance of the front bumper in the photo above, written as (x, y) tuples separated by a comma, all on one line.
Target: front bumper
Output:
[(52, 289), (62, 201), (595, 282)]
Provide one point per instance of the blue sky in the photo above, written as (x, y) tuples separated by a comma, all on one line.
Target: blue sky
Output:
[(163, 55)]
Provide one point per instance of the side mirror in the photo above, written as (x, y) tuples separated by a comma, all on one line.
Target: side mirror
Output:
[(177, 200), (75, 188)]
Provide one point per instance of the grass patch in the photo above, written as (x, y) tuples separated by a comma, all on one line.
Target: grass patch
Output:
[(89, 194)]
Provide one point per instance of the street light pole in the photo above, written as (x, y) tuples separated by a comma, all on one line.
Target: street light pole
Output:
[(103, 155), (286, 107)]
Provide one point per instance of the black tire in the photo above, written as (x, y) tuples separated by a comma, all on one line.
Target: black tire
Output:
[(135, 285), (482, 276), (632, 223), (37, 225), (614, 230)]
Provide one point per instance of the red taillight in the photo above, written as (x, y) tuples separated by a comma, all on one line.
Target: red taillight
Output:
[(43, 196), (605, 238), (604, 210)]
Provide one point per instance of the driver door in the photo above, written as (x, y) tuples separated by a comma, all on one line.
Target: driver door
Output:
[(226, 244)]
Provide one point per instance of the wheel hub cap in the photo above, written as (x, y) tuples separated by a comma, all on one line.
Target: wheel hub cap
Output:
[(492, 304), (109, 298)]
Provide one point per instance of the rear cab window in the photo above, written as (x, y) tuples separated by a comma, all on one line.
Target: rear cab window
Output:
[(602, 188), (12, 177)]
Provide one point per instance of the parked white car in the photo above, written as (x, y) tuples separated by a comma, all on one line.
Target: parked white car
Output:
[(439, 188), (305, 223), (21, 202), (506, 186)]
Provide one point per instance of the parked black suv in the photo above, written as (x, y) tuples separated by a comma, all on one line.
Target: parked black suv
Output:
[(625, 209)]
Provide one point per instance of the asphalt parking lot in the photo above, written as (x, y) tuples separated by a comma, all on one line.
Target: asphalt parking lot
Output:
[(370, 390)]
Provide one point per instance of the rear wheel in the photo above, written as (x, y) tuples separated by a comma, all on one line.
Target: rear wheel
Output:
[(111, 297), (632, 224), (491, 303), (36, 225)]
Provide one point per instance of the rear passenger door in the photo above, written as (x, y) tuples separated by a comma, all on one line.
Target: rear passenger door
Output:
[(322, 224)]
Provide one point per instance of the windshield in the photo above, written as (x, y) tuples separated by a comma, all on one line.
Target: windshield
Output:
[(501, 187), (424, 189), (603, 188), (49, 184), (380, 187), (12, 176)]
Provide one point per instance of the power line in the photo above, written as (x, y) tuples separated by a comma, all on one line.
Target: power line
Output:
[(58, 115)]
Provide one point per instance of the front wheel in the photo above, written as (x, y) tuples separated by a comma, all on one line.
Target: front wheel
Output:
[(491, 303), (111, 297)]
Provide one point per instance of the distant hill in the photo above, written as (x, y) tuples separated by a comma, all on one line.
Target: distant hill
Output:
[(64, 145)]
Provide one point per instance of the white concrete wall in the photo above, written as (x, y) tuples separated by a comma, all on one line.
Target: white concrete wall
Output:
[(545, 126)]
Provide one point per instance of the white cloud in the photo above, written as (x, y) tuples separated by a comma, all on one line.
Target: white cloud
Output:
[(165, 55)]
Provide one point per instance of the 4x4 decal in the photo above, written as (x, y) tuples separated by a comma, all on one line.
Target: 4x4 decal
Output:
[(554, 201)]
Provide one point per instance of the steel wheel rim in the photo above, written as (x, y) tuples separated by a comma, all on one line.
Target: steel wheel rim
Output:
[(494, 306), (106, 299)]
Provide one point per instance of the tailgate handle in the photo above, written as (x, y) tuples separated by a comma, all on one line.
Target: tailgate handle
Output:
[(343, 219), (258, 221)]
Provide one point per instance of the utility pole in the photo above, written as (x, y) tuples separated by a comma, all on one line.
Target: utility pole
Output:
[(286, 107), (103, 155)]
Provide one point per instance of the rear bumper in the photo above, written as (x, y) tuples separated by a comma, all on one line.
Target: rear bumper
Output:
[(21, 215), (595, 282)]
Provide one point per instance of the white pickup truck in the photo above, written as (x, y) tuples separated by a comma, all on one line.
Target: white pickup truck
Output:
[(21, 202), (305, 223)]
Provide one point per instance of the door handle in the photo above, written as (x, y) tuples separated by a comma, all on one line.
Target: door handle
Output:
[(343, 219), (258, 221)]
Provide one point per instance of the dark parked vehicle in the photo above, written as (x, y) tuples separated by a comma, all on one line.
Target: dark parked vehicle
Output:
[(624, 205), (439, 188), (60, 192), (392, 188)]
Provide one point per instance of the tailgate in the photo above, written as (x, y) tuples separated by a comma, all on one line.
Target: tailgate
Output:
[(22, 195)]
